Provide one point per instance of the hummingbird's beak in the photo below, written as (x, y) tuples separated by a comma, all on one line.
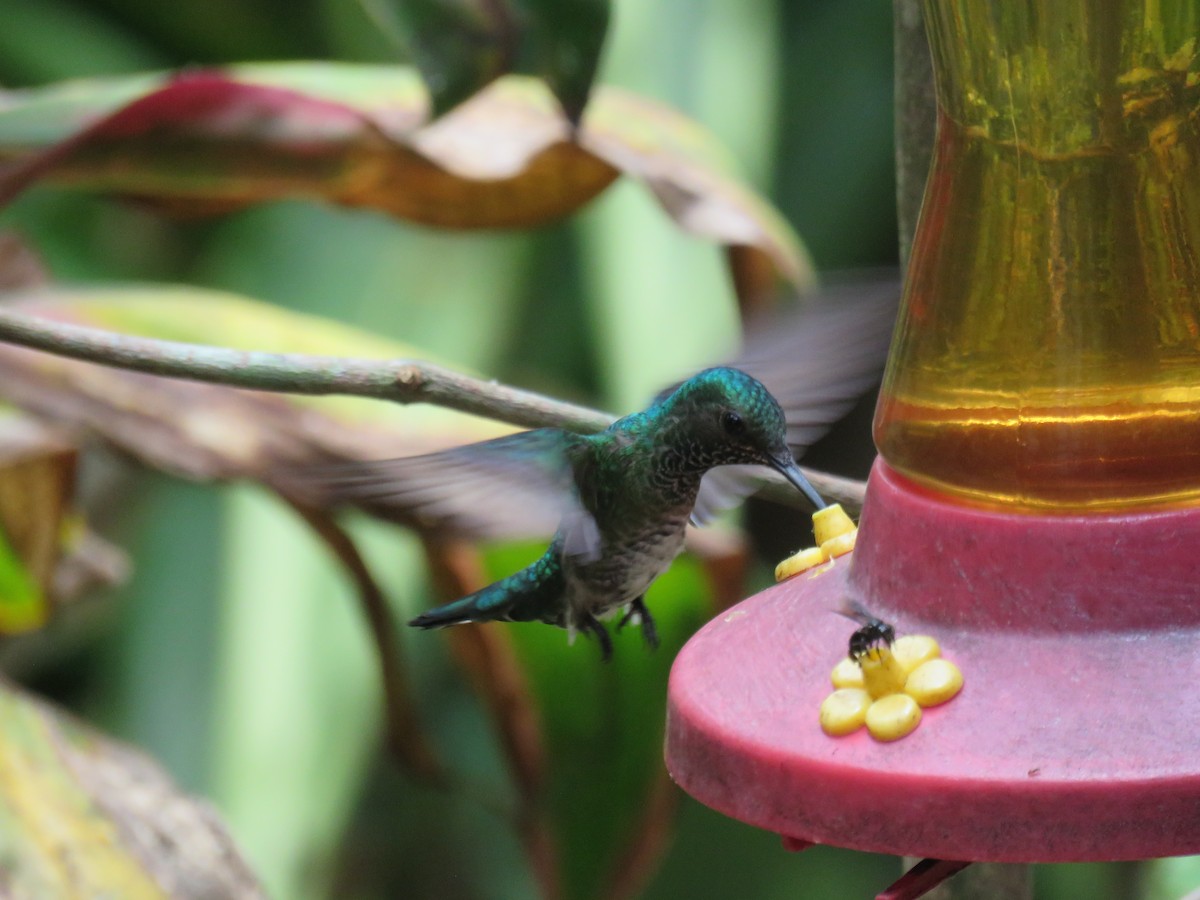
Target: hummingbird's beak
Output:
[(786, 466)]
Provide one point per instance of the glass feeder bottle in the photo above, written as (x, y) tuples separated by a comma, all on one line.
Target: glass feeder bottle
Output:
[(1047, 355)]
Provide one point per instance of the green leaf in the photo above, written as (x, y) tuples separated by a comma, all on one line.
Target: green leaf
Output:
[(22, 606), (1172, 879), (460, 46), (567, 37)]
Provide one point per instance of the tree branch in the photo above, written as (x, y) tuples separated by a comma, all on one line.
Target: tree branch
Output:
[(397, 380)]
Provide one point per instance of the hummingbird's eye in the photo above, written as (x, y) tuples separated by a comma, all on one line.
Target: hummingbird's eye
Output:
[(733, 424)]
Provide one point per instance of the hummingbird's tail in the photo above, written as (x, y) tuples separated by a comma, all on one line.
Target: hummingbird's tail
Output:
[(534, 593)]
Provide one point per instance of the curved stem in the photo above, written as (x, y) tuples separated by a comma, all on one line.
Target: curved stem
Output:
[(397, 380)]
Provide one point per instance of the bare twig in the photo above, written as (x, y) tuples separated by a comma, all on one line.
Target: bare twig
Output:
[(397, 380)]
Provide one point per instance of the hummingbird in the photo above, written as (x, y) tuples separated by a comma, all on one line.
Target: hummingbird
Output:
[(619, 502)]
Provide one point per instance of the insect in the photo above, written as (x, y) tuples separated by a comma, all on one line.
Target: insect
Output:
[(873, 634)]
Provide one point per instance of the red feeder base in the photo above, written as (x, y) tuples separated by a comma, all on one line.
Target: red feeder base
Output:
[(1077, 733)]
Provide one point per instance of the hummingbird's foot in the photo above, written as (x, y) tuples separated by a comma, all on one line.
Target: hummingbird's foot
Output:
[(594, 626), (639, 614)]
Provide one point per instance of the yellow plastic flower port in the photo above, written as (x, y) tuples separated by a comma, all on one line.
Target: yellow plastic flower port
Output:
[(840, 545), (934, 682), (835, 533), (913, 649), (892, 717), (848, 674), (845, 711), (882, 672), (799, 562), (831, 522), (886, 688)]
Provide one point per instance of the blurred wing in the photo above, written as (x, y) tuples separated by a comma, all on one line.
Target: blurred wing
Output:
[(817, 359), (517, 486), (724, 488), (580, 534)]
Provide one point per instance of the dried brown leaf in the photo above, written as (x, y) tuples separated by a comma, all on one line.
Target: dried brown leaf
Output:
[(37, 477), (359, 135)]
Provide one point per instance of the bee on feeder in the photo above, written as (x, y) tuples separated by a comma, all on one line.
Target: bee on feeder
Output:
[(873, 635), (885, 681)]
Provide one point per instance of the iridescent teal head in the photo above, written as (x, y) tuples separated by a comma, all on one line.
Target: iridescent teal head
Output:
[(725, 417)]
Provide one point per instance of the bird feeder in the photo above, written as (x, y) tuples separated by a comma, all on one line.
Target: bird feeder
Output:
[(1036, 504)]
